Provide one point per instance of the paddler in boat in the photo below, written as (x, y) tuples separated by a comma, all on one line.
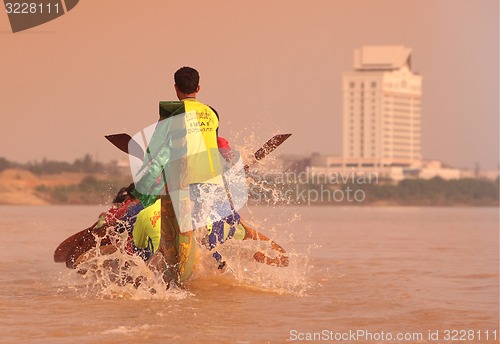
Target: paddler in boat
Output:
[(144, 225), (200, 170), (147, 232), (196, 170)]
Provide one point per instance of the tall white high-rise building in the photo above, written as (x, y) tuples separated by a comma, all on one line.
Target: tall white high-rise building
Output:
[(382, 109)]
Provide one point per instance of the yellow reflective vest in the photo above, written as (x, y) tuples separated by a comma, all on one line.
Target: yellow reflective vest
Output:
[(203, 158)]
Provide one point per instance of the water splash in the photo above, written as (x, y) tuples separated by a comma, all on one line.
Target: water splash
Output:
[(106, 273), (109, 272)]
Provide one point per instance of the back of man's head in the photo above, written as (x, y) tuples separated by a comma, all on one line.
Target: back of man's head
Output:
[(187, 79)]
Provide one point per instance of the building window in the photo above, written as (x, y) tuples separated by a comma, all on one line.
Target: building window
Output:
[(374, 84), (352, 84)]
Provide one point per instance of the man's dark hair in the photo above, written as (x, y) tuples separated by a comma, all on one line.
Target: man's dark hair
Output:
[(187, 79), (121, 196), (124, 192)]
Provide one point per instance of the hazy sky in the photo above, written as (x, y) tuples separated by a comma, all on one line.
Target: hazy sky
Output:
[(266, 66)]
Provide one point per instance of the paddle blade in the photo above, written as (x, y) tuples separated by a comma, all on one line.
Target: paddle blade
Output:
[(70, 249), (271, 145), (85, 244), (67, 246), (127, 144)]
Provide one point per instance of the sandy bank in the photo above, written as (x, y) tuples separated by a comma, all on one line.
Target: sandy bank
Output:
[(18, 187)]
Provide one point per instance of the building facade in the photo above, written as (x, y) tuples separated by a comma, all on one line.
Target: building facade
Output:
[(381, 121), (382, 109)]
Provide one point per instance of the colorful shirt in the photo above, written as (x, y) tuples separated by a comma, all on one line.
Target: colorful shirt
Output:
[(147, 228)]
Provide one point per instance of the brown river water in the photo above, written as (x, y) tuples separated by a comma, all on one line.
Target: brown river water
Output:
[(356, 275)]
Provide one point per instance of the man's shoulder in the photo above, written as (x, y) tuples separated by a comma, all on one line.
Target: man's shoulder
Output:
[(198, 103), (171, 108), (215, 111)]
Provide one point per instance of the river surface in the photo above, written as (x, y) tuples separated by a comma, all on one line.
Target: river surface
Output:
[(356, 275)]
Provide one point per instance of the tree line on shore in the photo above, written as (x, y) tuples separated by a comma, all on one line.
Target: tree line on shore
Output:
[(418, 192), (435, 191), (82, 165), (90, 190), (99, 185)]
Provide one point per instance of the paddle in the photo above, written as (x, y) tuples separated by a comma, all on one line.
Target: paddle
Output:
[(281, 259), (64, 249), (268, 147), (87, 242), (127, 144), (69, 250)]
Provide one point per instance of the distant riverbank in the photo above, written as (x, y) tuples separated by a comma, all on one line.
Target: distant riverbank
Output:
[(408, 192), (21, 187)]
